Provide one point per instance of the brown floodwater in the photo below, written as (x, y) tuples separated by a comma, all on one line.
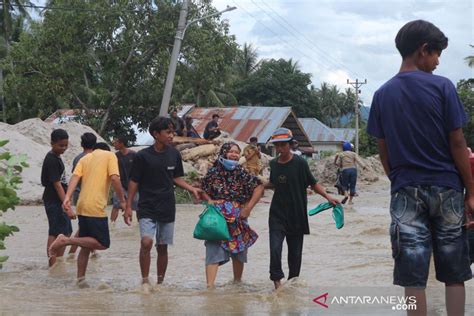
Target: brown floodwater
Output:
[(348, 264)]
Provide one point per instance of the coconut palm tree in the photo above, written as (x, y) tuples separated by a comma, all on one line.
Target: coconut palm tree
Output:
[(247, 61), (470, 59), (12, 11)]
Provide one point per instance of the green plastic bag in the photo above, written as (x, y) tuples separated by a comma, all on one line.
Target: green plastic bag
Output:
[(211, 225)]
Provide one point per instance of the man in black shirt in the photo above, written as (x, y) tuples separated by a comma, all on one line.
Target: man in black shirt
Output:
[(53, 178), (289, 177), (212, 128), (125, 158), (155, 171), (178, 123)]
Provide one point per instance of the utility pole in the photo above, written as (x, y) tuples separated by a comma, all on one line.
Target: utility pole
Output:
[(165, 102), (182, 26), (357, 84)]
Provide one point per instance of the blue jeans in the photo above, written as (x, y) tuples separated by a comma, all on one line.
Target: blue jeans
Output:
[(349, 180), (428, 219)]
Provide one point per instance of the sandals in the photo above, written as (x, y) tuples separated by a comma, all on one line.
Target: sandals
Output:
[(318, 209), (337, 212)]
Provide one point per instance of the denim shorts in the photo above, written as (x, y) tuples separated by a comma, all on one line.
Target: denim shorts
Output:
[(216, 254), (428, 219), (153, 228), (471, 245), (95, 227), (116, 201)]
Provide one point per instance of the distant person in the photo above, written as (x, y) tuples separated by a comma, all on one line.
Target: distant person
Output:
[(125, 159), (347, 162), (96, 171), (178, 123), (190, 131), (212, 128), (155, 172), (417, 118), (289, 177), (53, 178), (88, 141), (234, 192), (295, 148), (252, 157)]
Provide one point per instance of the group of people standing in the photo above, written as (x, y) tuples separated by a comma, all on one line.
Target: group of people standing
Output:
[(426, 161), (152, 174)]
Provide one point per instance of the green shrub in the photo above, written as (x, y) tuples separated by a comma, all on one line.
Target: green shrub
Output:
[(10, 168)]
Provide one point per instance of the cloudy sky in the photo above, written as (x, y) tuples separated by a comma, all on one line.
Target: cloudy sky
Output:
[(339, 39)]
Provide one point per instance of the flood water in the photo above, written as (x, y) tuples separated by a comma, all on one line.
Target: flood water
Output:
[(354, 261)]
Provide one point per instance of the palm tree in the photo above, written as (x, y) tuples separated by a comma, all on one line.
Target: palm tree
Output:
[(247, 61), (11, 10), (470, 59)]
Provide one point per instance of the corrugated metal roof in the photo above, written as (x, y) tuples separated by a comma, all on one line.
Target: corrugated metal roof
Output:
[(347, 134), (243, 122), (318, 131)]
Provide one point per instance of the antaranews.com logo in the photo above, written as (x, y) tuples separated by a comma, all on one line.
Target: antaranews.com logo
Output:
[(398, 303)]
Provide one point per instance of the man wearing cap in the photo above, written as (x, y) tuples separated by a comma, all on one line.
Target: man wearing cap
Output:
[(289, 177)]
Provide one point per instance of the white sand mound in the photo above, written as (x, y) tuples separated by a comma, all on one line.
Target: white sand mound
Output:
[(32, 137)]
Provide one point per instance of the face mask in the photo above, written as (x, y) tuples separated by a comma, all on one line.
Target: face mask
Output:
[(228, 164)]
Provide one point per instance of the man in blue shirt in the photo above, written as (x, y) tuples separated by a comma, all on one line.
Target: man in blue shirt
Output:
[(417, 118)]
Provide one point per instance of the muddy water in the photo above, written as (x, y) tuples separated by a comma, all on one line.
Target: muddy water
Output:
[(353, 261)]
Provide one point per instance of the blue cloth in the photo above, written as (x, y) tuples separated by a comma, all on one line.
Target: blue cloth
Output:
[(414, 113)]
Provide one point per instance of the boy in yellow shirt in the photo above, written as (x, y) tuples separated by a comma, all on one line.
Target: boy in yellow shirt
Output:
[(96, 172)]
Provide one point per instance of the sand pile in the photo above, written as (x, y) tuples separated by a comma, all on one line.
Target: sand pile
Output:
[(326, 171), (32, 137)]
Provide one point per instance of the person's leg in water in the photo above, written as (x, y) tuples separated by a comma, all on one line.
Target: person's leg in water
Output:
[(60, 252), (145, 258), (161, 262), (211, 274), (89, 243), (295, 254), (73, 248), (276, 245), (345, 185), (420, 297), (352, 183), (238, 269), (455, 298)]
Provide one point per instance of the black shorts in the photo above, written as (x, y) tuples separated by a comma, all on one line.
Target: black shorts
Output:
[(58, 221), (95, 227)]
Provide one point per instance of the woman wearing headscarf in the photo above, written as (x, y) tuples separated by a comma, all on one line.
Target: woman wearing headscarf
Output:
[(235, 192), (347, 161)]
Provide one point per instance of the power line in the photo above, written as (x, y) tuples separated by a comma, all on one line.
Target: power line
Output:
[(334, 62), (312, 43), (311, 59)]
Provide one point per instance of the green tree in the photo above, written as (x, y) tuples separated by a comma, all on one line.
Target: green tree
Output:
[(110, 59), (11, 23), (277, 83)]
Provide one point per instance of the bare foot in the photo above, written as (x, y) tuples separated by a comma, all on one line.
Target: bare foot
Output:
[(277, 284), (81, 283), (58, 243)]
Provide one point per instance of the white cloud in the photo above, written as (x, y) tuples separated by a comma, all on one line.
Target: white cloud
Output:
[(350, 38)]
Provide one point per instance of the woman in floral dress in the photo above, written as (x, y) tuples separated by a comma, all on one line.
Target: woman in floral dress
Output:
[(234, 192)]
